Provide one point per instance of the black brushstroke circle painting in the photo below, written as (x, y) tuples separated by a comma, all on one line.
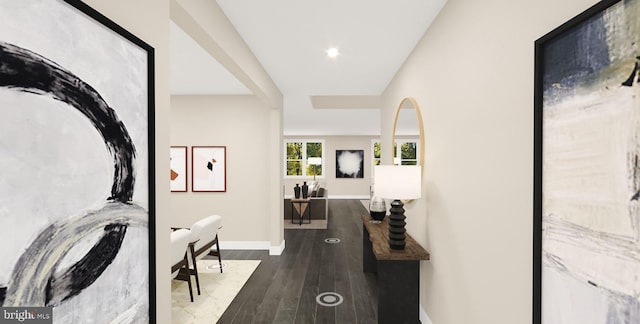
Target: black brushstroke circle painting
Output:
[(43, 276)]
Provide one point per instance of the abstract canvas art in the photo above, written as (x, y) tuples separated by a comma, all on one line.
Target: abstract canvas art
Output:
[(178, 171), (349, 163), (587, 168), (208, 168), (76, 196)]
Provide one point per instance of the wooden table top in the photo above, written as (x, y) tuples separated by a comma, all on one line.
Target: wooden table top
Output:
[(379, 236)]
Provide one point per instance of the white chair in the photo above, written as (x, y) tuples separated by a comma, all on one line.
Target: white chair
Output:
[(179, 263), (204, 234)]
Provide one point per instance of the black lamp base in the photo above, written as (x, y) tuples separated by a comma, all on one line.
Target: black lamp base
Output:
[(396, 226)]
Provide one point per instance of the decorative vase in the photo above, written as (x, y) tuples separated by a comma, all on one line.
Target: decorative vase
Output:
[(296, 191), (305, 190), (377, 208)]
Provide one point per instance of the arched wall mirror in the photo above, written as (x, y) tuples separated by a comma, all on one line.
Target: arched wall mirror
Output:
[(408, 134), (408, 149)]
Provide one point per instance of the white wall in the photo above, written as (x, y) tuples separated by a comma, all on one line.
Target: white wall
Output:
[(472, 75), (243, 125), (338, 187), (149, 20)]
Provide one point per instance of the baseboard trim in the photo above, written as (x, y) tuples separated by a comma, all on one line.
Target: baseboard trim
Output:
[(339, 197), (245, 245), (253, 245), (277, 249), (349, 197)]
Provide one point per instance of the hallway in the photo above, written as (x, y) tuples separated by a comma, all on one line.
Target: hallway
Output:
[(284, 288)]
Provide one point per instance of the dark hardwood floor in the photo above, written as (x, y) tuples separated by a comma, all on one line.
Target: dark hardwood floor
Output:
[(283, 289)]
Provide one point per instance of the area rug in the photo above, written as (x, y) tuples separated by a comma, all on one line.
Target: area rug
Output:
[(315, 224), (217, 291)]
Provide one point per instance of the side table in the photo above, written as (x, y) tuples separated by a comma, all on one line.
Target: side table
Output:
[(301, 205)]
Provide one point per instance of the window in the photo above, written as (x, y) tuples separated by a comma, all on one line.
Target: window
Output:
[(304, 158), (376, 153), (406, 149)]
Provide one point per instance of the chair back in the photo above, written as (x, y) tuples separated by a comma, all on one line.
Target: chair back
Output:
[(205, 231), (179, 241)]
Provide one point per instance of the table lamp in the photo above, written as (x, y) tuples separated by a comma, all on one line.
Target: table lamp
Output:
[(314, 161), (397, 182)]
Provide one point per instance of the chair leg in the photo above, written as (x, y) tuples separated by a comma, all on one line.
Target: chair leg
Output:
[(218, 251), (184, 274), (190, 288), (188, 276), (195, 268)]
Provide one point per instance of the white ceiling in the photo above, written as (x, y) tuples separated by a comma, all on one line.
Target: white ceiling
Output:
[(290, 39), (195, 72)]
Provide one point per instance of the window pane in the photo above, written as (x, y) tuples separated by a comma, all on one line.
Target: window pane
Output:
[(376, 150), (294, 168), (408, 150), (314, 170), (294, 151), (409, 162), (314, 150)]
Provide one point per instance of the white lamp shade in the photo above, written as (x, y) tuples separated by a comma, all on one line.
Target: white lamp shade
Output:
[(314, 161), (397, 181)]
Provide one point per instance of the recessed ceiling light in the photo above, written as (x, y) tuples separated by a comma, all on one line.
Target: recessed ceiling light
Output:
[(333, 52)]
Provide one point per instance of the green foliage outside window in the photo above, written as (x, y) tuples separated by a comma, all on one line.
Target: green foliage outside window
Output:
[(376, 153), (314, 170), (314, 149), (294, 158), (408, 153), (294, 151), (298, 154), (294, 168)]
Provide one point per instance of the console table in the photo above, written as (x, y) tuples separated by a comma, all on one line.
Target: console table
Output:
[(398, 272)]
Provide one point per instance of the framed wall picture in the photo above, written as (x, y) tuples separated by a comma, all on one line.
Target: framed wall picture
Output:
[(77, 194), (209, 168), (587, 168), (178, 172), (349, 163)]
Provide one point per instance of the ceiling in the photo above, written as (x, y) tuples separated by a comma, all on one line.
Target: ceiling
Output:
[(290, 38)]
